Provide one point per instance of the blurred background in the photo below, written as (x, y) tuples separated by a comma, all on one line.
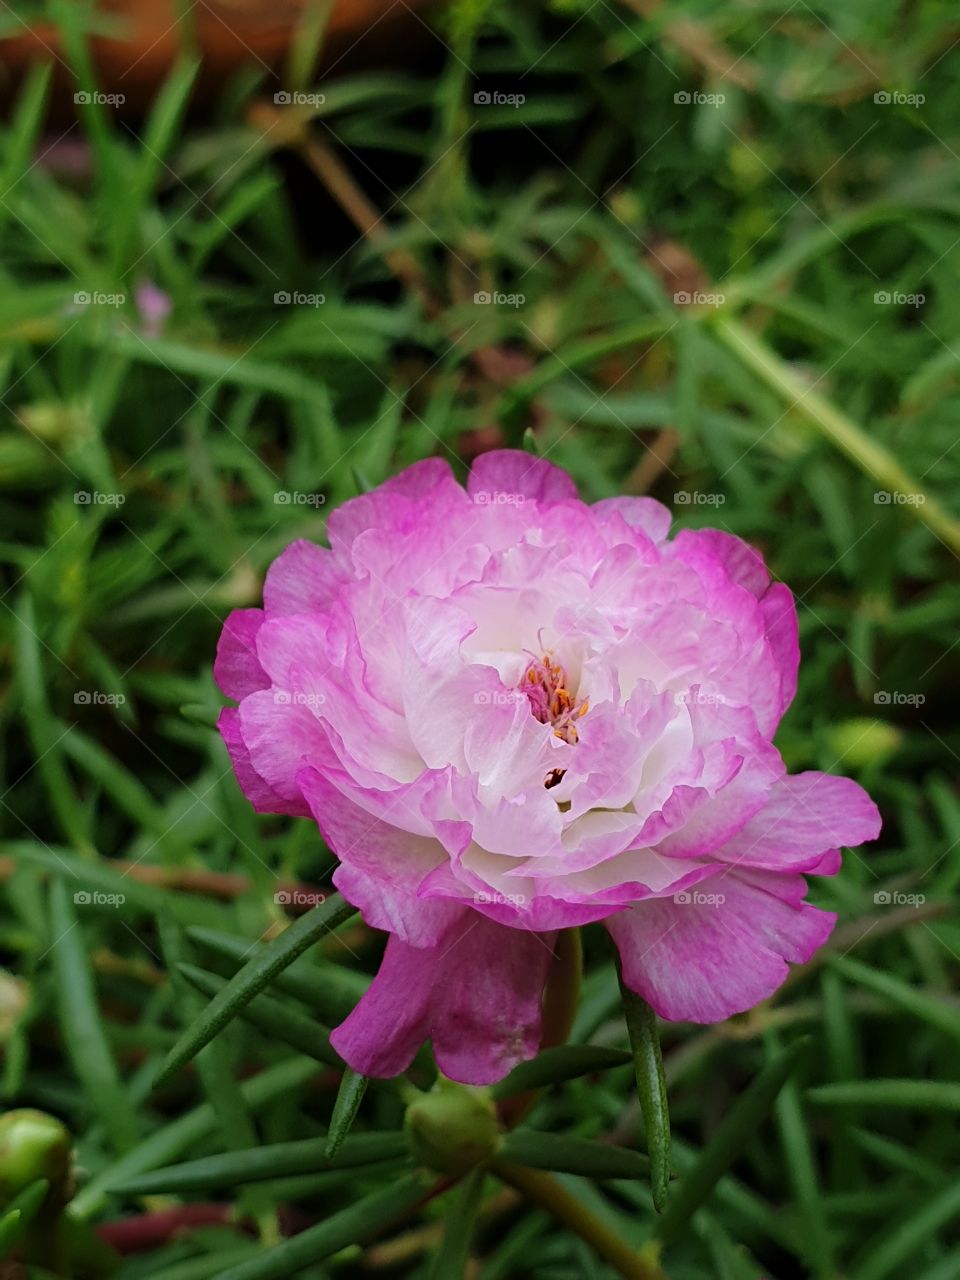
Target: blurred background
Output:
[(257, 257)]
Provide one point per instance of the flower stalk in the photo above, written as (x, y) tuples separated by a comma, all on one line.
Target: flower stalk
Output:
[(842, 431), (546, 1191)]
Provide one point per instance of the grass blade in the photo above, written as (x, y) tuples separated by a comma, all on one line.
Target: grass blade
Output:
[(452, 1258), (562, 1154), (897, 1251), (349, 1096), (651, 1090), (189, 1129), (553, 1066), (330, 990), (349, 1226), (251, 979), (736, 1129), (274, 1019), (920, 1004), (83, 1031), (922, 1095), (258, 1164)]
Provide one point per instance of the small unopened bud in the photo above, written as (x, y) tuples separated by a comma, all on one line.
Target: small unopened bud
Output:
[(33, 1145), (863, 740), (453, 1129)]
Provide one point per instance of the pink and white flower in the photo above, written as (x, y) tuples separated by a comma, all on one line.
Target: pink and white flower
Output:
[(511, 713)]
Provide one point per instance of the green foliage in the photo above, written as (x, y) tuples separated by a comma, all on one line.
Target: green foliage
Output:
[(803, 397)]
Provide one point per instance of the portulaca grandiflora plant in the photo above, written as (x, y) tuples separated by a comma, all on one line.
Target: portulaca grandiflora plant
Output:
[(515, 716)]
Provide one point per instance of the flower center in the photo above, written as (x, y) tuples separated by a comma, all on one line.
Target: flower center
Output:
[(545, 684)]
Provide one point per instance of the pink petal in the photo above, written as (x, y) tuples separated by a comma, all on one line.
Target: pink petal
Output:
[(743, 564), (420, 479), (513, 472), (236, 669), (805, 817), (303, 577), (698, 960), (383, 867), (779, 611), (477, 995), (392, 1019), (262, 796), (639, 513), (281, 738)]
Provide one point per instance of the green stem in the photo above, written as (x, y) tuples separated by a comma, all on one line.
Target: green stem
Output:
[(543, 1189), (644, 1034), (560, 1000), (847, 435), (562, 993)]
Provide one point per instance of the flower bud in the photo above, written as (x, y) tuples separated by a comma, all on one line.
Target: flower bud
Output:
[(454, 1128), (33, 1145), (863, 740)]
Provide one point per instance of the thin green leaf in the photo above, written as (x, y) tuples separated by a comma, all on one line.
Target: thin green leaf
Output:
[(83, 1031), (921, 1095), (913, 1000), (563, 1154), (896, 1252), (19, 1213), (349, 1226), (251, 979), (258, 1164), (23, 132), (45, 731), (186, 1131), (459, 1222), (349, 1096), (651, 1089), (804, 1178), (734, 1132), (12, 1226), (553, 1066), (215, 1063), (329, 989), (274, 1019)]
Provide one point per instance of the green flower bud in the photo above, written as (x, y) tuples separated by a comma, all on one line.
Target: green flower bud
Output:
[(862, 741), (454, 1128), (33, 1145)]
